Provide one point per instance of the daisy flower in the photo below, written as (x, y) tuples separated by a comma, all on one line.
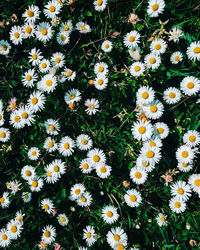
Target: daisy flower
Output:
[(50, 145), (36, 101), (66, 27), (181, 190), (156, 142), (193, 51), (133, 198), (85, 200), (103, 170), (50, 175), (161, 130), (138, 175), (62, 220), (35, 56), (190, 85), (57, 60), (28, 172), (191, 138), (172, 95), (14, 186), (44, 65), (176, 57), (142, 130), (36, 184), (177, 205), (48, 234), (185, 154), (131, 39), (137, 69), (48, 83), (26, 197), (52, 9), (175, 34), (52, 127), (33, 153), (152, 61), (4, 47), (14, 229), (92, 106), (1, 117), (42, 245), (151, 154), (89, 235), (12, 104), (109, 214), (76, 191), (43, 32), (28, 30), (57, 168), (154, 110), (4, 238), (72, 96), (161, 220), (100, 5), (31, 14), (100, 82), (107, 46), (62, 38), (4, 200), (184, 167), (47, 205), (133, 18), (84, 142), (29, 78), (4, 134), (69, 74), (194, 182), (66, 146), (145, 95), (16, 35), (83, 27), (145, 164), (116, 236), (155, 7), (15, 120), (85, 166), (26, 115), (96, 156), (101, 68), (158, 46)]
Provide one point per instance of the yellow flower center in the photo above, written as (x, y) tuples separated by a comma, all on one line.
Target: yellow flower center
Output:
[(49, 83), (28, 173), (160, 130), (2, 200), (120, 247), (172, 95), (100, 81), (63, 37), (109, 214), (46, 207), (133, 198), (184, 165), (145, 164), (88, 235), (152, 60), (44, 31), (69, 73), (91, 82), (57, 60), (56, 168), (157, 46), (103, 170), (177, 204), (85, 166), (150, 154), (83, 28), (50, 144), (83, 199), (101, 69), (116, 237), (47, 234), (131, 39), (142, 130), (25, 115), (190, 85), (4, 47), (91, 106), (162, 219), (153, 108), (28, 29), (30, 13), (34, 56), (13, 229), (107, 46), (152, 144), (48, 174), (197, 50), (3, 135), (84, 142), (26, 196), (66, 27), (180, 191), (99, 2), (71, 105), (96, 158), (145, 95), (16, 35), (52, 8), (63, 219), (176, 58), (192, 138), (43, 65), (72, 96), (155, 7), (0, 117), (34, 100), (66, 145), (185, 154), (77, 191), (197, 183), (51, 127), (137, 68), (4, 237), (33, 153), (35, 183), (138, 175)]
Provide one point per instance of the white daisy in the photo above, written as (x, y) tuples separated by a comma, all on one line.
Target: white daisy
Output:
[(103, 170), (137, 69), (36, 101), (48, 83), (26, 197), (14, 229), (26, 115), (155, 7), (28, 30), (107, 46), (35, 56), (4, 200), (89, 235), (181, 190), (194, 182), (96, 156), (48, 234), (76, 191), (57, 60), (145, 94), (158, 46), (161, 220), (101, 68), (184, 167), (66, 27), (100, 82), (177, 205), (66, 146), (69, 74), (145, 164), (92, 106), (131, 39), (161, 130), (1, 117), (4, 134), (100, 5), (151, 154), (36, 184), (110, 214), (83, 27), (62, 220), (47, 205), (176, 57), (116, 236), (138, 175), (84, 142), (4, 238), (50, 145), (175, 34), (191, 138), (31, 14), (152, 61), (16, 35), (44, 65), (154, 110), (73, 95), (193, 51), (33, 153), (62, 38), (190, 85), (85, 200), (185, 154), (28, 172), (52, 9), (43, 31), (154, 142), (133, 198), (57, 168), (4, 47), (49, 175), (85, 166), (29, 78), (172, 95), (142, 130), (52, 127)]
